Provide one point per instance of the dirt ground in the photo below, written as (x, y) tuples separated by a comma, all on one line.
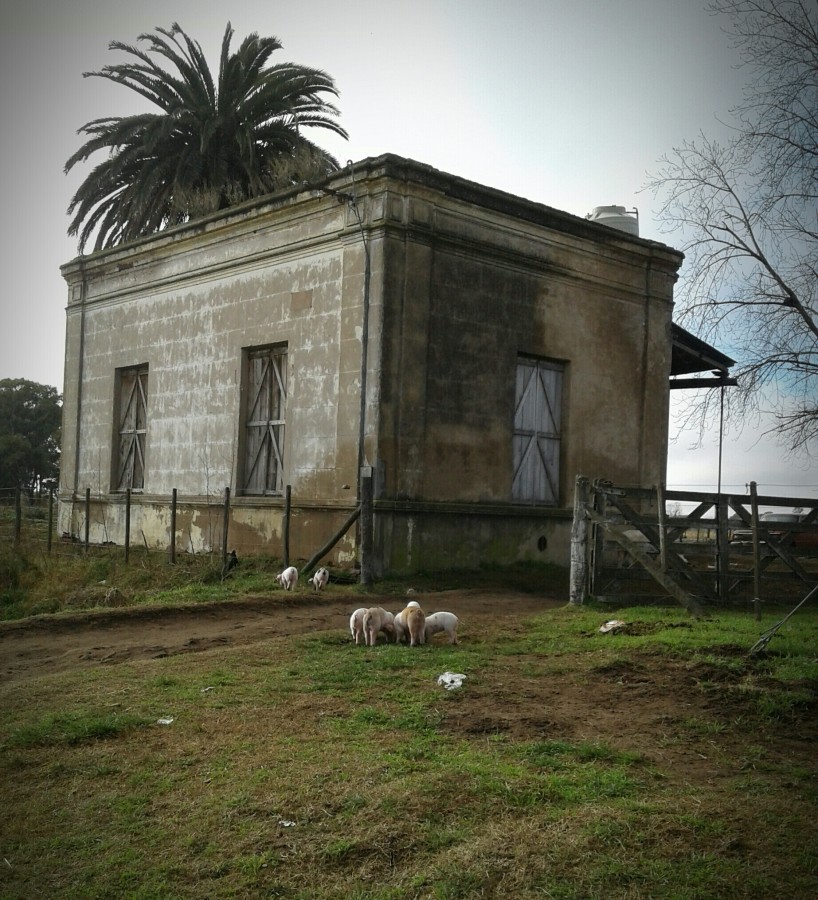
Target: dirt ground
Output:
[(45, 644), (644, 704)]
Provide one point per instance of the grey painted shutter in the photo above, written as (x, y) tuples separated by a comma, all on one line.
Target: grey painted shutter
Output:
[(536, 450), (133, 420), (264, 428)]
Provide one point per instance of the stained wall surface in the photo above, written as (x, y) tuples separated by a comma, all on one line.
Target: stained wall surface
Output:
[(447, 285), (189, 305), (471, 287)]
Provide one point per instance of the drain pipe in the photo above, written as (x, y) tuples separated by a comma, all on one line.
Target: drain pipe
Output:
[(364, 492), (353, 204), (80, 377), (365, 532), (644, 369)]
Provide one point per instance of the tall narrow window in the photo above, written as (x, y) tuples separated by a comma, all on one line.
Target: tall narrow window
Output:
[(537, 414), (132, 421), (264, 420)]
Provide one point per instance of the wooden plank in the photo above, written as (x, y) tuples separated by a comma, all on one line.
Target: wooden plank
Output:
[(611, 500), (674, 560), (536, 437), (756, 552), (578, 588), (722, 553), (263, 471), (616, 532), (761, 534)]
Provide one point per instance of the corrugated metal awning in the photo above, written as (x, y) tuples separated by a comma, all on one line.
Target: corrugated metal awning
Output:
[(692, 355)]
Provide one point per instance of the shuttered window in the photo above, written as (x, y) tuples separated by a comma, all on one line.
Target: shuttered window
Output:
[(537, 415), (264, 420), (132, 422)]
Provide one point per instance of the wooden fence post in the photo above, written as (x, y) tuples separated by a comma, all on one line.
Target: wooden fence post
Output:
[(579, 544), (127, 524), (598, 503), (50, 518), (285, 530), (661, 516), (723, 550), (756, 551), (87, 518), (224, 527), (173, 527), (366, 525), (18, 516)]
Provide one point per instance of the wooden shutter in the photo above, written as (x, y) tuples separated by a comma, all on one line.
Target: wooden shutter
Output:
[(133, 423), (537, 415), (264, 421)]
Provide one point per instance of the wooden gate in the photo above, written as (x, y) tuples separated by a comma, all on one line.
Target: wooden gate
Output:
[(641, 543)]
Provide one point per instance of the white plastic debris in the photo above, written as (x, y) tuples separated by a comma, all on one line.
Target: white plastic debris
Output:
[(450, 680), (286, 823), (165, 720), (613, 625), (204, 690)]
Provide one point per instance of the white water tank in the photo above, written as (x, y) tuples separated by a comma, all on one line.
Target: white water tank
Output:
[(616, 217)]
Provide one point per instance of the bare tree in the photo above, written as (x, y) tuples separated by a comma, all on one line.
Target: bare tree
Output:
[(746, 211)]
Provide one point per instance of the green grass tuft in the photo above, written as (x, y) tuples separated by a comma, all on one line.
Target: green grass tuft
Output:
[(54, 729)]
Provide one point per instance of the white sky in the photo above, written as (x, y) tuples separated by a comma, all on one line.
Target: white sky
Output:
[(570, 104)]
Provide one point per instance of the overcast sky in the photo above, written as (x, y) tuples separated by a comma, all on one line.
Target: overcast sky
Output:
[(567, 104)]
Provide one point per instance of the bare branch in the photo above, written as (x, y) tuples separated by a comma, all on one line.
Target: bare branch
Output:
[(746, 215)]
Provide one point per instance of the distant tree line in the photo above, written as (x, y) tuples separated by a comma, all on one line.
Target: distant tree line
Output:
[(30, 418)]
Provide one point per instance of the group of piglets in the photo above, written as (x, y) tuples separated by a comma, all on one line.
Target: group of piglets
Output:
[(410, 624)]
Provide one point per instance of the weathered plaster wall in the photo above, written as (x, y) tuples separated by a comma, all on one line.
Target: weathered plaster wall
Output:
[(468, 288), (459, 313), (188, 306), (463, 279)]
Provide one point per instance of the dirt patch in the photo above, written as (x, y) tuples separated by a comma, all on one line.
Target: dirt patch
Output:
[(45, 644), (679, 716)]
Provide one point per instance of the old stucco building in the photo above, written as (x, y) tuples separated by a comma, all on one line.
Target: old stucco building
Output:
[(474, 350)]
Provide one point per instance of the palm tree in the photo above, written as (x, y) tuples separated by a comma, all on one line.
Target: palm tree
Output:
[(211, 146)]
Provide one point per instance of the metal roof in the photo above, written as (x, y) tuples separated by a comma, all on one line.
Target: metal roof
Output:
[(691, 354)]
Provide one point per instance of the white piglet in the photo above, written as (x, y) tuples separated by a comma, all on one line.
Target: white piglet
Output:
[(415, 620), (288, 578), (320, 578), (442, 621), (356, 625), (401, 627), (377, 619)]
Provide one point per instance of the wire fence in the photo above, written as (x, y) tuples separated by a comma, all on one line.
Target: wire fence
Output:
[(29, 518), (30, 521)]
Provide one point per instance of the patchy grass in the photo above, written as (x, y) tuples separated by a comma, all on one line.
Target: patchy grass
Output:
[(661, 763), (34, 583), (57, 728)]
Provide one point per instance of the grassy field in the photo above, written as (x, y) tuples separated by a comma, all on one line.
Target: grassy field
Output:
[(35, 583), (306, 767)]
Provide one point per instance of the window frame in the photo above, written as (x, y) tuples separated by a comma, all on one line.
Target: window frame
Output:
[(263, 420), (129, 457), (537, 433)]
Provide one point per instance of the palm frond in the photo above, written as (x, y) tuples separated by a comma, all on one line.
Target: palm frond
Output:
[(211, 144)]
